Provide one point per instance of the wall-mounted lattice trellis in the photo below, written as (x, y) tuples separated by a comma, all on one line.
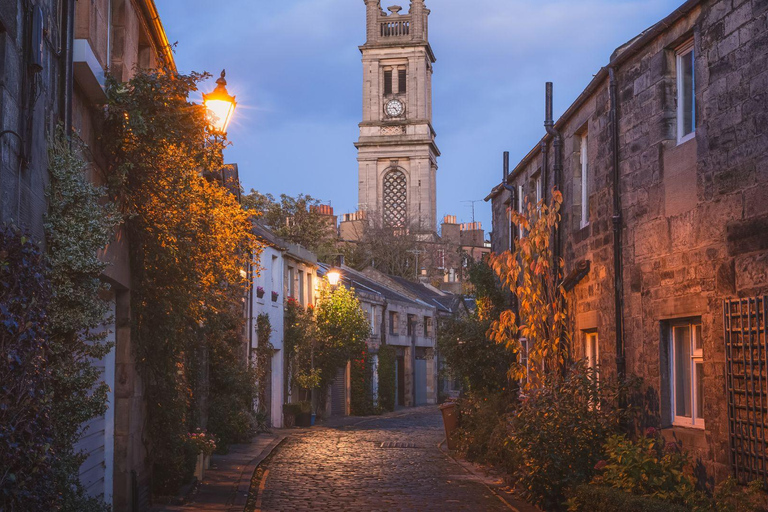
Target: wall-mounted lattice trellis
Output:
[(395, 199), (746, 358)]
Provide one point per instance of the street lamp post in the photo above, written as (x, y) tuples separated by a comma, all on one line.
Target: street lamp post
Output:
[(220, 106)]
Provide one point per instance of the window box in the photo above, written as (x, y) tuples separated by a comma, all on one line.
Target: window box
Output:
[(260, 292), (275, 296)]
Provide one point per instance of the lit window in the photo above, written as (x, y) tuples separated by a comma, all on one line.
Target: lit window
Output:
[(687, 375), (592, 351), (584, 161), (686, 93)]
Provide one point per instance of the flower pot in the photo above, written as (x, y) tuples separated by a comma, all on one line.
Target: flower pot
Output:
[(260, 293), (275, 296)]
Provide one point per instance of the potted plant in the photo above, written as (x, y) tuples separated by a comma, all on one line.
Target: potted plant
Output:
[(260, 292), (275, 295), (290, 413), (304, 417), (205, 444)]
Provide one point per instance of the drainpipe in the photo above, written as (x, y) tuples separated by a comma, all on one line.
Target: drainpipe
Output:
[(618, 283), (68, 85), (512, 195), (549, 124)]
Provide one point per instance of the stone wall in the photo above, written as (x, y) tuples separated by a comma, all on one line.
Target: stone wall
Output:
[(695, 214)]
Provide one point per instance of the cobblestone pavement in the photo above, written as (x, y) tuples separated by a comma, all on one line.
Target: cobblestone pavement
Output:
[(381, 464)]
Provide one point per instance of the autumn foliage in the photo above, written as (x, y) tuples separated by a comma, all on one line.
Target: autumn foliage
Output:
[(190, 243), (536, 331)]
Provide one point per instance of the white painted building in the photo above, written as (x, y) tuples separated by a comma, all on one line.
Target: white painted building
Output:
[(285, 271)]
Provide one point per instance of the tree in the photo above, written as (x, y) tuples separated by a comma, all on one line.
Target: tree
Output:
[(480, 363), (537, 331), (392, 251), (294, 219)]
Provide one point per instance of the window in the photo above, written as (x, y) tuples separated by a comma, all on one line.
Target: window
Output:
[(538, 186), (301, 288), (310, 288), (592, 351), (520, 204), (395, 199), (427, 327), (687, 374), (584, 161), (686, 93), (374, 322), (291, 284), (387, 81), (411, 324), (393, 320), (275, 275), (402, 78)]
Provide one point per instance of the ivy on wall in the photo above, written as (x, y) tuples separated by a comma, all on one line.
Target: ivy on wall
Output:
[(387, 377), (52, 310), (361, 384), (190, 244)]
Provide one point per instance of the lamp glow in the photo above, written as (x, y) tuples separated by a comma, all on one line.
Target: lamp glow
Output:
[(334, 276), (220, 106)]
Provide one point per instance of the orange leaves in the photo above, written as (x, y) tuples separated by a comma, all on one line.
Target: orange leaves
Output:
[(537, 332)]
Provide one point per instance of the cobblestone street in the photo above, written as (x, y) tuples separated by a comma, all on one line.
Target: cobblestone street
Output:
[(387, 464)]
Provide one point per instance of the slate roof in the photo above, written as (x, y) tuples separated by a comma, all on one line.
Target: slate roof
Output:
[(354, 279)]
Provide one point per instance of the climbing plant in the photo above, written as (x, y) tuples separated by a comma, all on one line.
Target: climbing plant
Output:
[(537, 331), (79, 224), (263, 358), (190, 245), (387, 377)]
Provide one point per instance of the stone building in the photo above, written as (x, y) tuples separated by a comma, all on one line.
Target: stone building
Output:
[(663, 163), (397, 153), (53, 59), (398, 319)]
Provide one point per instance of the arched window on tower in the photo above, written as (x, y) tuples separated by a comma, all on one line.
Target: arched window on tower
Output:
[(395, 199)]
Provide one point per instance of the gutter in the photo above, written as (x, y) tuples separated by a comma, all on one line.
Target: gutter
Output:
[(157, 32)]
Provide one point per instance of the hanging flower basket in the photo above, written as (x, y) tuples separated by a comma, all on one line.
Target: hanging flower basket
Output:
[(275, 295), (260, 292)]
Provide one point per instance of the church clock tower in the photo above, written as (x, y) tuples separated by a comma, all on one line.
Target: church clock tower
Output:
[(397, 154)]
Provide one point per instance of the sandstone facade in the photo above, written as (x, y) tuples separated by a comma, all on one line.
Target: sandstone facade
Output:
[(693, 209)]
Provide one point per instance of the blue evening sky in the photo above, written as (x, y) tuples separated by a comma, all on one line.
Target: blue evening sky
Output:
[(295, 68)]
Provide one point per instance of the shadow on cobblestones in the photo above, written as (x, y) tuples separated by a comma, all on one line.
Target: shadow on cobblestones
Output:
[(389, 463)]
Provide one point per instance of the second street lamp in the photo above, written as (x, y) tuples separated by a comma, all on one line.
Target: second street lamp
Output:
[(220, 106)]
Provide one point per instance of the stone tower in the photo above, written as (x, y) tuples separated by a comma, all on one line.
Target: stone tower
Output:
[(397, 154)]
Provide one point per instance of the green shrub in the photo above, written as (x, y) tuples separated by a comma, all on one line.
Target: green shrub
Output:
[(482, 435), (731, 497), (387, 377), (558, 432), (648, 467), (595, 498), (361, 384)]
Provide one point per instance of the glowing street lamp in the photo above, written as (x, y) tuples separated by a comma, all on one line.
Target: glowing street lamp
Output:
[(220, 106), (334, 276)]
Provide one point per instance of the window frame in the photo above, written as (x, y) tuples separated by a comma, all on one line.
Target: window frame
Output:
[(696, 357), (584, 163), (520, 206), (393, 321), (681, 52), (592, 350)]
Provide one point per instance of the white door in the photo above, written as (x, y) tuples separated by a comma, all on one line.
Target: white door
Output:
[(98, 442)]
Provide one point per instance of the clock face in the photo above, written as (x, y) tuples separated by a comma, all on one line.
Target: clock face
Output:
[(394, 108)]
